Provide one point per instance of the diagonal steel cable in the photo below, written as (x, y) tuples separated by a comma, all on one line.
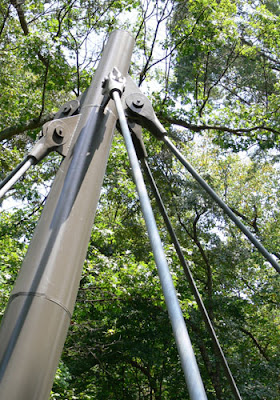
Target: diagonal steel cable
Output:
[(191, 281), (222, 204), (188, 361)]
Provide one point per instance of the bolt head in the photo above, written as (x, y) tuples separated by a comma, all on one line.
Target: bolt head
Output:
[(59, 131), (138, 103), (67, 108)]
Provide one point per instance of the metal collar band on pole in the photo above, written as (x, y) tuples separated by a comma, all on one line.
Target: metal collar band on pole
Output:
[(188, 361)]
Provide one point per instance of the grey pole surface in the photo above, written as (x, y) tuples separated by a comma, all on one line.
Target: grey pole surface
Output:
[(188, 361), (38, 314)]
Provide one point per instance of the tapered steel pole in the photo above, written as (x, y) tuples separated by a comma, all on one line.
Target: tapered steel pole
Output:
[(38, 314)]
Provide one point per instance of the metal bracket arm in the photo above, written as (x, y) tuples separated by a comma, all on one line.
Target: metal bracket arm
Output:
[(138, 108), (57, 136)]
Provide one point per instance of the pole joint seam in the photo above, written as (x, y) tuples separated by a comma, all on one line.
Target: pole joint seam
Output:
[(41, 295)]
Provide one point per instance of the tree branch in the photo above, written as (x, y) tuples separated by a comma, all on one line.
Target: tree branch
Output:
[(214, 374), (35, 123), (24, 26), (5, 18), (274, 63), (199, 128), (44, 91), (253, 222), (260, 348), (21, 16), (146, 372), (152, 47), (172, 50), (229, 62)]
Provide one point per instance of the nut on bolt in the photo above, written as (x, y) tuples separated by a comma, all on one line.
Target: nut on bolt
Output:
[(138, 103), (67, 108), (58, 130)]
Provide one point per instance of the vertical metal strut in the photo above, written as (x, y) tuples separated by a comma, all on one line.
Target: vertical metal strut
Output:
[(188, 361), (38, 314)]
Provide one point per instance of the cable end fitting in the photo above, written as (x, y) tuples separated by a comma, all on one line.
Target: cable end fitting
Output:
[(140, 109), (115, 82)]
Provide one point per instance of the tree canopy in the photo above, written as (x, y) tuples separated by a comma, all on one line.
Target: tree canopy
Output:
[(211, 69)]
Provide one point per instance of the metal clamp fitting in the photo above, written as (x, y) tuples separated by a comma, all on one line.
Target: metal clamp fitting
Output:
[(56, 136), (115, 82)]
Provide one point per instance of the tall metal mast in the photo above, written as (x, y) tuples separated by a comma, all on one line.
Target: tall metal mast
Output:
[(38, 314)]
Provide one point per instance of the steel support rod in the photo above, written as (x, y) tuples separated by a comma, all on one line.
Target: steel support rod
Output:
[(38, 314), (191, 281), (15, 175), (221, 203), (188, 361)]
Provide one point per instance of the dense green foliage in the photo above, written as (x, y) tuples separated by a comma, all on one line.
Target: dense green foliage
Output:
[(211, 70)]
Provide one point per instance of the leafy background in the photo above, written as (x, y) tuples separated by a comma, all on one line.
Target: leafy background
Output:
[(211, 70)]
